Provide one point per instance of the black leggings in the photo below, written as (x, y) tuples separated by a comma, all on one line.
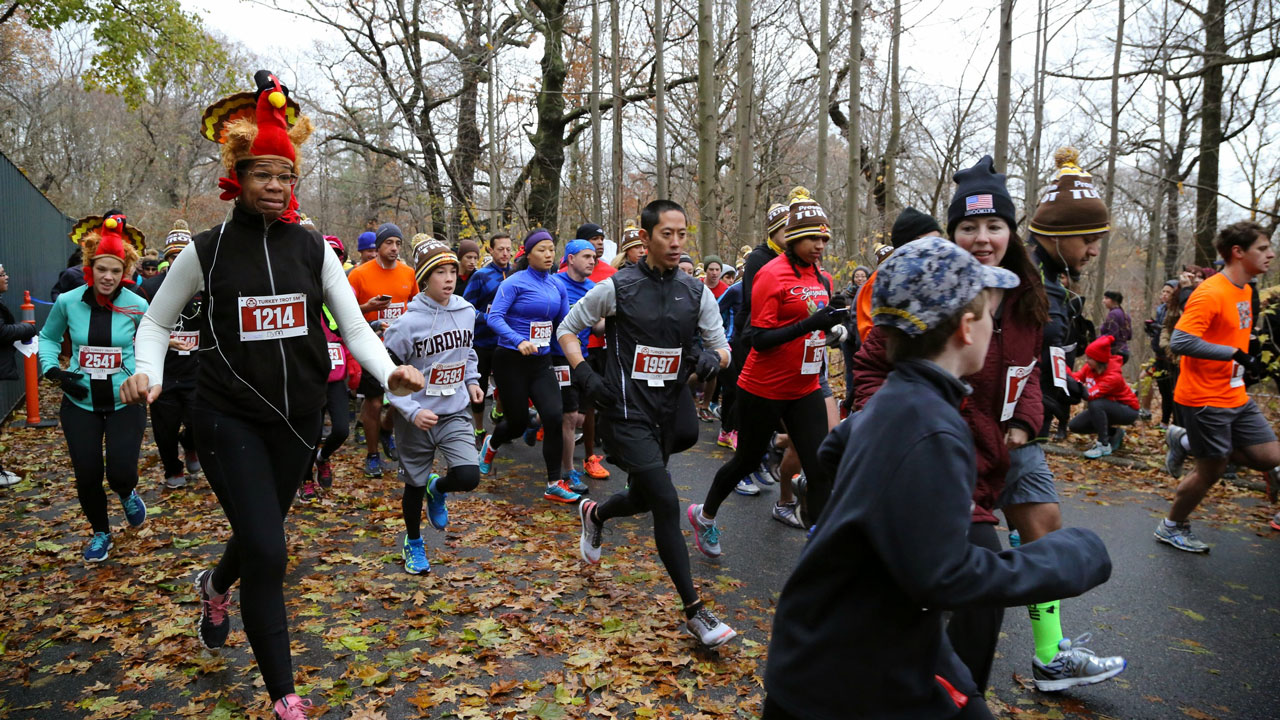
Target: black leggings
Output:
[(484, 366), (975, 709), (339, 418), (255, 469), (975, 631), (1164, 381), (521, 378), (806, 424), (728, 385), (1099, 416), (463, 478), (171, 424), (86, 431), (642, 450)]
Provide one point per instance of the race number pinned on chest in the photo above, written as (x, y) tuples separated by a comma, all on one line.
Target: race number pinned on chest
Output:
[(188, 338), (1058, 359), (100, 362), (1015, 381), (273, 317), (444, 378), (562, 374), (814, 348), (335, 356), (540, 333), (391, 312), (656, 365)]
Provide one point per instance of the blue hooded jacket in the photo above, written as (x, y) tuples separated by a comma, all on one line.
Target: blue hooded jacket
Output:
[(480, 292), (526, 297)]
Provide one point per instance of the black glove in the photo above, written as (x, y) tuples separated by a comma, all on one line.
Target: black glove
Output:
[(1252, 364), (707, 365), (591, 386), (825, 318), (1075, 390), (70, 383), (840, 301)]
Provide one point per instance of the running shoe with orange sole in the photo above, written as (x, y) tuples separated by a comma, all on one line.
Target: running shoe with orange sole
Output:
[(594, 469)]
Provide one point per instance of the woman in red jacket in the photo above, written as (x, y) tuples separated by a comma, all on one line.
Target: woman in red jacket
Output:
[(1110, 400)]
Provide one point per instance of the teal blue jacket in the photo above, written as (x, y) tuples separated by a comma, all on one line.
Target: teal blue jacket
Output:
[(91, 324)]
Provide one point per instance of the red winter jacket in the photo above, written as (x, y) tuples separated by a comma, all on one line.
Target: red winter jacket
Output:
[(1013, 345), (1110, 385)]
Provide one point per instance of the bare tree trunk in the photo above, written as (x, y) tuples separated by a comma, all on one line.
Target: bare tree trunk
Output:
[(708, 128), (1003, 82), (597, 203), (495, 179), (466, 155), (660, 100), (615, 42), (543, 203), (853, 214), (1100, 281), (1215, 48), (824, 98), (742, 210), (1032, 181), (892, 146)]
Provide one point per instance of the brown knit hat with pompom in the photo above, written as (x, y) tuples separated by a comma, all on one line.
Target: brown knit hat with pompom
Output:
[(1071, 204)]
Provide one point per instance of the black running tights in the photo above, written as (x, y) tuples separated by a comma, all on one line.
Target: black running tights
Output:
[(339, 408), (171, 425), (255, 469), (652, 491), (87, 432), (463, 478), (519, 379), (1100, 417), (806, 424)]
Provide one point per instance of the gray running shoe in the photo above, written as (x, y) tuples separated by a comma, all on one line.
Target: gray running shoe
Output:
[(706, 536), (1177, 455), (1180, 537), (1074, 665), (708, 629), (175, 482), (788, 514)]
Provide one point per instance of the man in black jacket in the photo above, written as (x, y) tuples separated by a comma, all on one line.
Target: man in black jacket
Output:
[(652, 313), (859, 626)]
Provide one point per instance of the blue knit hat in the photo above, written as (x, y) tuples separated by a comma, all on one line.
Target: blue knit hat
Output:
[(367, 241)]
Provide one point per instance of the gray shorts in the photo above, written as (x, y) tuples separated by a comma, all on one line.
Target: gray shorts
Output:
[(453, 437), (1214, 432), (1029, 479)]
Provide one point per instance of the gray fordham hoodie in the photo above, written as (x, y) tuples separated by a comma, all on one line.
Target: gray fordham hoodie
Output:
[(436, 339)]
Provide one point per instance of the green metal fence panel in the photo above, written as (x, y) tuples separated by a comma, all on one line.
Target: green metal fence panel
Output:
[(33, 249)]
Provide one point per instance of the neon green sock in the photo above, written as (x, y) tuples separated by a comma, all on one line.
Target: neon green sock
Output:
[(1046, 626)]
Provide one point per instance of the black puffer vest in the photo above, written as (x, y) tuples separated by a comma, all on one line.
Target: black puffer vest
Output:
[(261, 379)]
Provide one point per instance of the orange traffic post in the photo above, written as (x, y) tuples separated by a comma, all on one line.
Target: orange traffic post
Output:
[(31, 366)]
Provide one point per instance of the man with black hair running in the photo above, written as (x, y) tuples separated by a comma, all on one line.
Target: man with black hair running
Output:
[(652, 313)]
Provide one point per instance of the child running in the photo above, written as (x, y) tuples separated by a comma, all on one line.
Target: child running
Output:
[(890, 554), (434, 335)]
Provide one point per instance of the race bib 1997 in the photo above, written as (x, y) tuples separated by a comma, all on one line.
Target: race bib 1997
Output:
[(656, 365)]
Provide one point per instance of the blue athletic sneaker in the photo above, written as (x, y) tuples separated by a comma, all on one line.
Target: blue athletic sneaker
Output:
[(761, 475), (487, 453), (135, 511), (559, 492), (389, 446), (574, 478), (98, 548), (414, 553), (373, 466), (437, 511)]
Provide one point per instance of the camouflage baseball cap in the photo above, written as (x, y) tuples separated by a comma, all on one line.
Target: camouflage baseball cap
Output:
[(929, 280)]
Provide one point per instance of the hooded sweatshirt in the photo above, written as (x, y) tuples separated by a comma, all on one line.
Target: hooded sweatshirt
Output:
[(529, 306), (438, 340)]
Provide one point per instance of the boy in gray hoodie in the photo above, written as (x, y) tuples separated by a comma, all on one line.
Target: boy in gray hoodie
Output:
[(434, 335)]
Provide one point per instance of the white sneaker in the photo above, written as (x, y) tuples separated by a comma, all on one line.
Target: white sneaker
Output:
[(747, 487), (708, 629), (7, 478), (589, 540)]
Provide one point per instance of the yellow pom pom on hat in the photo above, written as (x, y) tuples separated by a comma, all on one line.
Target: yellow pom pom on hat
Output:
[(1070, 205), (805, 217)]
